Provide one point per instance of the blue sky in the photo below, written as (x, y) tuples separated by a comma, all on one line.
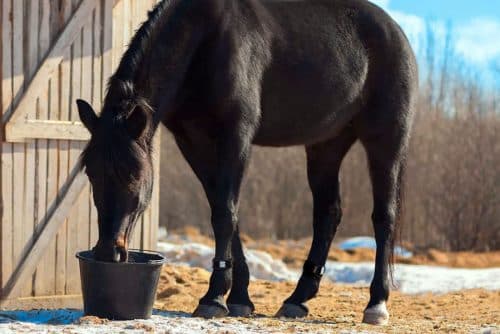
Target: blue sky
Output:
[(457, 10), (474, 26)]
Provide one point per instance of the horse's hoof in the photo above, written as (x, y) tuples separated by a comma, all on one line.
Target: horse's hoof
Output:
[(239, 310), (292, 311), (210, 311), (376, 315)]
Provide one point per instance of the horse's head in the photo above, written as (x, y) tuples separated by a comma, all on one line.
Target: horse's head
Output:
[(118, 163)]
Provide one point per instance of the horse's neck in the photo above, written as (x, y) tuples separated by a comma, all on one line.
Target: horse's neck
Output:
[(158, 58)]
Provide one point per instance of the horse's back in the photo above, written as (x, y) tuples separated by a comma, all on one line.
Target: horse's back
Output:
[(327, 58)]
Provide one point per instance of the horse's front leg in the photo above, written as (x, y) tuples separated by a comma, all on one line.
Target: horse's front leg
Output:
[(233, 151), (238, 301)]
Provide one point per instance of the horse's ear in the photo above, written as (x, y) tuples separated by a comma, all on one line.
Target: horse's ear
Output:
[(87, 115), (137, 122)]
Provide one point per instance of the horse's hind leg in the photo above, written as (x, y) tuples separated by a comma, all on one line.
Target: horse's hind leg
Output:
[(386, 151), (323, 165)]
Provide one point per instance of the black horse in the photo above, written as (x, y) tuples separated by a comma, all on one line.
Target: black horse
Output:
[(223, 75)]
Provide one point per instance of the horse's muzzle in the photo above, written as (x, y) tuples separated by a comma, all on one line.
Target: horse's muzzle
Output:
[(115, 251)]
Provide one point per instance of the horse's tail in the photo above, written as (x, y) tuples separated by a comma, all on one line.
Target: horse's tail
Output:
[(398, 223)]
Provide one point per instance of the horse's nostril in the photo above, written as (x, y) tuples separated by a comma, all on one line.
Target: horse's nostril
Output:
[(122, 254)]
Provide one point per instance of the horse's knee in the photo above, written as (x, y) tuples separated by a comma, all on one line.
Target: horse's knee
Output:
[(224, 222), (384, 219), (224, 210), (328, 221)]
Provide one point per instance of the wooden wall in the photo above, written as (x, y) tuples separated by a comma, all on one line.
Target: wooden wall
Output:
[(33, 171)]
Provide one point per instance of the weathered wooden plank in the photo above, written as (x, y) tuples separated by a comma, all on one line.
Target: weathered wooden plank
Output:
[(52, 187), (97, 86), (6, 227), (127, 24), (32, 15), (49, 227), (61, 238), (137, 15), (65, 85), (6, 167), (32, 57), (42, 129), (7, 75), (18, 49), (51, 62), (107, 44), (17, 149), (53, 171), (41, 286), (18, 204), (86, 94), (73, 281), (118, 34)]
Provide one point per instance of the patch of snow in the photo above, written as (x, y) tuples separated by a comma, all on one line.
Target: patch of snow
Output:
[(261, 264), (411, 279), (416, 279), (370, 243), (349, 273), (162, 233), (66, 321)]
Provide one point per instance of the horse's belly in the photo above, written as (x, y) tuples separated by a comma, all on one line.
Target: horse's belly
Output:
[(292, 131), (306, 107), (298, 137)]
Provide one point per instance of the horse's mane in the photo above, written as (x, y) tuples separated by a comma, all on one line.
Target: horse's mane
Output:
[(121, 86), (123, 162)]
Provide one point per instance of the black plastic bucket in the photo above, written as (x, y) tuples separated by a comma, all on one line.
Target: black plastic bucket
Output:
[(120, 291)]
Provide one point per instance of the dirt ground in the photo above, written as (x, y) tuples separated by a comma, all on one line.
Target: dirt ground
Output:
[(340, 307)]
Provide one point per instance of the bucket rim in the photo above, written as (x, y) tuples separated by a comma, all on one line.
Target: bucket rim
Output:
[(80, 255)]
